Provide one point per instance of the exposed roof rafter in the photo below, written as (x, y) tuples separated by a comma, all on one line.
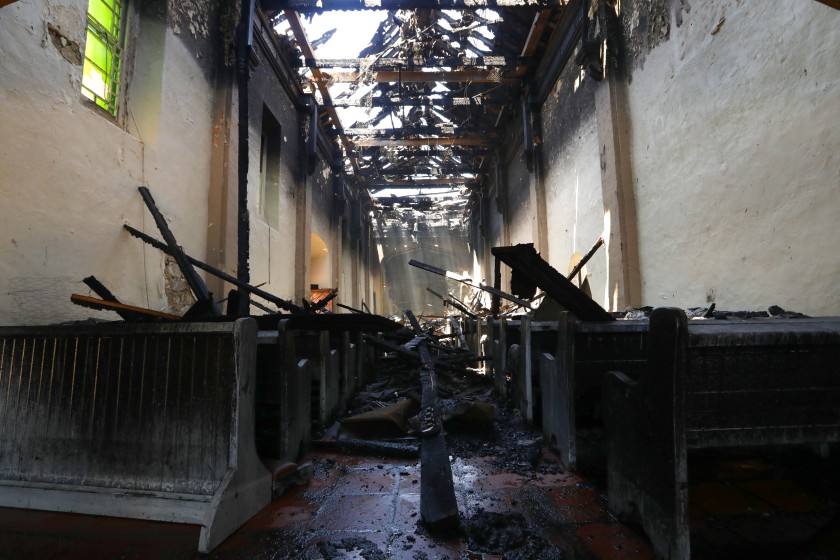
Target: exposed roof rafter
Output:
[(320, 5)]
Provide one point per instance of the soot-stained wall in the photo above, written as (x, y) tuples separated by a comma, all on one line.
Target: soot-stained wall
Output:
[(274, 151), (69, 178), (574, 204), (722, 115)]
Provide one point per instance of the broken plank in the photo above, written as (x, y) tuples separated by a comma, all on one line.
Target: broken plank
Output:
[(318, 5), (585, 259), (468, 282), (197, 285), (438, 506), (416, 63), (525, 260), (99, 289), (461, 306), (456, 328), (104, 305), (279, 302)]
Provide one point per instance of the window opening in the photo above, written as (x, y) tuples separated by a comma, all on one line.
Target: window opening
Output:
[(103, 49)]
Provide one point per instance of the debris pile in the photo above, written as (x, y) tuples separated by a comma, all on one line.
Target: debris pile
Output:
[(508, 535)]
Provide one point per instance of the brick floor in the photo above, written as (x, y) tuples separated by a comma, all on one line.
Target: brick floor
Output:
[(781, 505)]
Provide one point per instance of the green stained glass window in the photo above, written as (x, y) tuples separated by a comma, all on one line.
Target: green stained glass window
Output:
[(101, 71)]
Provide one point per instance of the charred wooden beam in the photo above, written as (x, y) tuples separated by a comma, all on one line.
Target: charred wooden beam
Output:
[(535, 33), (320, 5), (527, 263), (279, 302), (438, 506), (105, 305), (351, 309), (495, 302), (411, 130), (585, 259), (390, 63), (460, 306), (99, 289), (468, 282), (202, 295), (425, 183), (493, 76), (562, 44), (321, 303), (479, 140), (454, 302), (416, 167), (308, 52), (427, 151), (441, 102)]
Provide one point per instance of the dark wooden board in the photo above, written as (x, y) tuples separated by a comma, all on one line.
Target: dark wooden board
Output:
[(524, 259)]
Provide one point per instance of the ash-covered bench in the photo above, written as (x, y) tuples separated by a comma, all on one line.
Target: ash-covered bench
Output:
[(572, 369), (714, 384), (309, 364), (148, 421)]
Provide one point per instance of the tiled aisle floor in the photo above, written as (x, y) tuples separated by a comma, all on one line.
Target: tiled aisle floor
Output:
[(743, 505)]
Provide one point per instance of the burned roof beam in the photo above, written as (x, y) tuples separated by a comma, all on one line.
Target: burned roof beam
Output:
[(445, 103), (432, 151), (442, 182), (561, 45), (409, 63), (410, 130), (308, 52), (478, 140), (318, 5), (428, 170), (415, 77)]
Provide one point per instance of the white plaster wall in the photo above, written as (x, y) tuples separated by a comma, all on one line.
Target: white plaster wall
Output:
[(574, 204), (736, 157), (272, 255), (69, 176)]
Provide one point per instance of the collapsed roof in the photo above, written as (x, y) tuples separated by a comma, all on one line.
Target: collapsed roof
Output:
[(422, 108)]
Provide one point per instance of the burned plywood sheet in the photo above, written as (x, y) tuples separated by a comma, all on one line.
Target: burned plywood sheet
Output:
[(527, 263)]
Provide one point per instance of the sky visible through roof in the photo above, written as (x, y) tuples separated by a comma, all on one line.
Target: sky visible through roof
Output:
[(352, 32)]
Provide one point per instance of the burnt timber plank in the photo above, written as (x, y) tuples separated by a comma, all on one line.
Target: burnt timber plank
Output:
[(475, 140), (525, 260), (279, 302), (117, 307), (466, 281), (443, 102), (438, 506), (320, 5), (386, 63), (410, 131), (406, 76), (197, 285), (99, 289)]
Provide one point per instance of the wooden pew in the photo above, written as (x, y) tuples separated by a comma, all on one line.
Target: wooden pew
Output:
[(571, 374), (150, 421), (714, 384)]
